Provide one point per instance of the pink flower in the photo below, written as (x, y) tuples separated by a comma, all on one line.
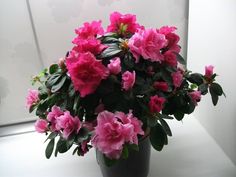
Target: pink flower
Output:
[(41, 125), (114, 66), (114, 130), (195, 96), (108, 137), (135, 44), (170, 58), (163, 86), (32, 98), (209, 71), (177, 78), (173, 40), (121, 22), (88, 45), (86, 72), (132, 126), (167, 29), (156, 103), (69, 124), (147, 43), (52, 117), (90, 30), (128, 80)]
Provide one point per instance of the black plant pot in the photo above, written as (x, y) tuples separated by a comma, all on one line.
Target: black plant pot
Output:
[(137, 164)]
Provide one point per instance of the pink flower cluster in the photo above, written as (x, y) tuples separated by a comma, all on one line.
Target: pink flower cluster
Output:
[(59, 121), (155, 45), (113, 130)]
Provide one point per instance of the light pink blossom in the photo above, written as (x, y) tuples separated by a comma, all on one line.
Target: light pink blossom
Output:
[(69, 124), (41, 125), (177, 78), (147, 43), (114, 66), (156, 103), (108, 136), (32, 98), (52, 117), (209, 71), (86, 72), (113, 130), (128, 80)]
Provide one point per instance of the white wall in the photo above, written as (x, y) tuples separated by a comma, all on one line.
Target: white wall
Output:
[(54, 22), (212, 40)]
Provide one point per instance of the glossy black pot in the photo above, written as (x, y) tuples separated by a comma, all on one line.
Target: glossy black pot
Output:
[(137, 164)]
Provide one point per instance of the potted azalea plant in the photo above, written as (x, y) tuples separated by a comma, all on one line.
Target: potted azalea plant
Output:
[(114, 91)]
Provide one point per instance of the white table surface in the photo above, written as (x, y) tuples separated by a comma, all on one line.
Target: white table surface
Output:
[(191, 153)]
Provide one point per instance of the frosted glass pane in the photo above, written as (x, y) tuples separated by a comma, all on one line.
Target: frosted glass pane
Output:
[(55, 20), (18, 60)]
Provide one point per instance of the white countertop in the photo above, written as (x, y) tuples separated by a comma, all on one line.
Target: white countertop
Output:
[(191, 153)]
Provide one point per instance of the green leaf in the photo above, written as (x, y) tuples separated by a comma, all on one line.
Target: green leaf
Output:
[(158, 137), (111, 51), (179, 115), (165, 127), (216, 88), (32, 108), (180, 59), (196, 78), (203, 88), (53, 68), (52, 80), (49, 148), (75, 150), (164, 116), (51, 136), (151, 121), (59, 85), (62, 145), (125, 152), (214, 97)]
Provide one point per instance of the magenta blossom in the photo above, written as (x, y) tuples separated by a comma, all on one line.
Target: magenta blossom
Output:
[(177, 78), (89, 30), (69, 124), (195, 96), (121, 22), (167, 29), (209, 71), (114, 66), (161, 85), (170, 58), (147, 43), (88, 45), (32, 98), (53, 116), (41, 126), (128, 80), (156, 103), (86, 72)]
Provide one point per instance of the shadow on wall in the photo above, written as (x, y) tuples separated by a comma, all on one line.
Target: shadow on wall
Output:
[(71, 11), (4, 90)]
